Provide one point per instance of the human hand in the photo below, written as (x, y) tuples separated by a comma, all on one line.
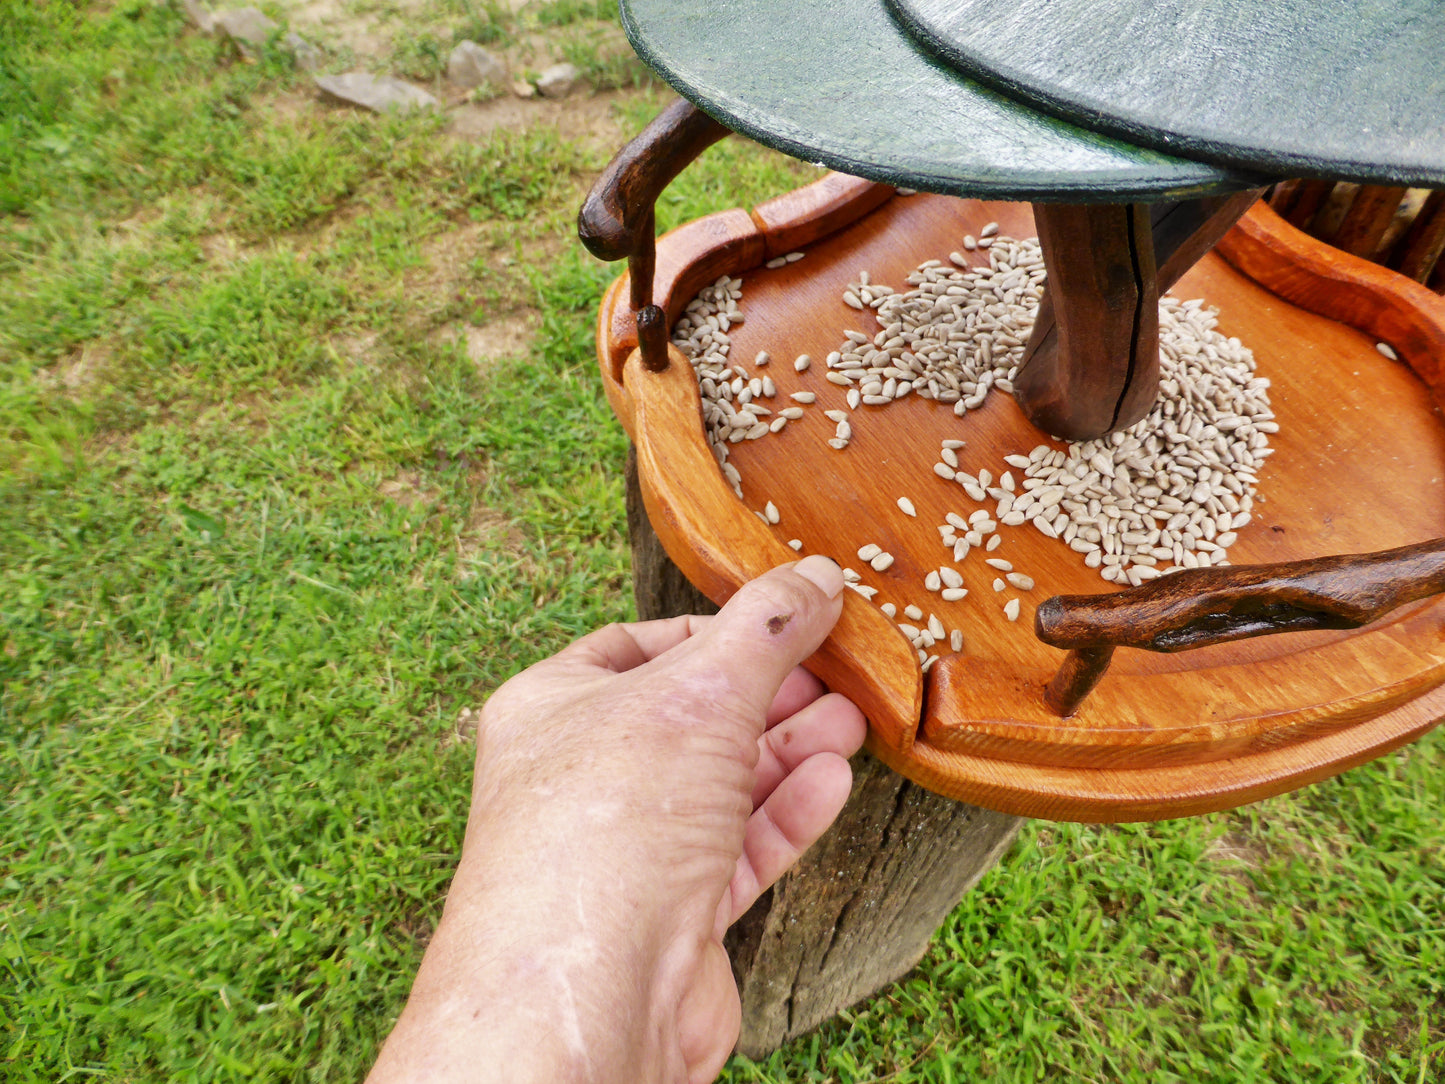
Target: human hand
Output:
[(633, 795)]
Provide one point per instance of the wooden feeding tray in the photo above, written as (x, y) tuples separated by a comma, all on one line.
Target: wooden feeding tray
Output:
[(1358, 469)]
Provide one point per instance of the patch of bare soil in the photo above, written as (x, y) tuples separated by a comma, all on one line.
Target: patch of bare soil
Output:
[(589, 119), (408, 490), (507, 336), (79, 369), (489, 530), (336, 26)]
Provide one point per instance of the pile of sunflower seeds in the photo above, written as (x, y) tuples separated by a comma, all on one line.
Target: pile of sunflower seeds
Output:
[(1172, 490), (1169, 492), (959, 332)]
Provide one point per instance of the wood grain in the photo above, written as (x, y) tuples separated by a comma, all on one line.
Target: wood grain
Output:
[(616, 220), (1093, 364), (1199, 607), (1407, 316), (1189, 726)]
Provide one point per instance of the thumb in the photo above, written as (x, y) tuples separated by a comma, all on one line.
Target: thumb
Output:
[(771, 625)]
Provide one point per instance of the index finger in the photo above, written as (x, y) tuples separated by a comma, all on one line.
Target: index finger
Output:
[(625, 646)]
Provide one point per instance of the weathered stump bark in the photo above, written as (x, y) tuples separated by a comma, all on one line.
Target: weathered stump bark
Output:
[(859, 909)]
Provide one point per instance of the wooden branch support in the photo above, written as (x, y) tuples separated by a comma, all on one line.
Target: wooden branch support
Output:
[(1207, 606), (652, 337), (617, 221)]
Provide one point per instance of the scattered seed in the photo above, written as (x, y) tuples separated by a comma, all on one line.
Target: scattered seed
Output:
[(998, 584), (995, 540), (999, 563), (882, 562), (889, 610), (1019, 580), (1011, 609), (801, 363), (762, 359), (906, 507), (955, 641), (770, 510), (1388, 351), (932, 581), (796, 543), (803, 397), (913, 613)]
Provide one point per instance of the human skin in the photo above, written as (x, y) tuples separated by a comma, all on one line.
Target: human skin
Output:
[(633, 795)]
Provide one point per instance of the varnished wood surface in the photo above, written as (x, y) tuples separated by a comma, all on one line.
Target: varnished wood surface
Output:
[(722, 545), (1359, 466), (1198, 607), (1113, 795), (838, 82), (1349, 89)]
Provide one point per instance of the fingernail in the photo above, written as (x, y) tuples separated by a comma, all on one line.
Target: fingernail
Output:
[(823, 572)]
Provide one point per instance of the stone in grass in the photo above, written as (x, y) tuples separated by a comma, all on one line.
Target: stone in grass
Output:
[(472, 66), (198, 16), (558, 81), (379, 93), (306, 56), (246, 27)]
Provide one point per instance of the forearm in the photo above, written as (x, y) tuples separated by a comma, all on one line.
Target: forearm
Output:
[(535, 973)]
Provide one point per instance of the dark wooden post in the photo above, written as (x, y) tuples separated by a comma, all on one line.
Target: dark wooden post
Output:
[(1092, 361), (860, 908)]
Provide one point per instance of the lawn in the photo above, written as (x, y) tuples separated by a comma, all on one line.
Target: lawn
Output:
[(272, 526)]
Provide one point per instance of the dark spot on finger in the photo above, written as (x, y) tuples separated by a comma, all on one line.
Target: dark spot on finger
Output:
[(778, 622), (787, 737)]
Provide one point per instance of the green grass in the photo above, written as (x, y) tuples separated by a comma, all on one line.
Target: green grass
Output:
[(267, 535)]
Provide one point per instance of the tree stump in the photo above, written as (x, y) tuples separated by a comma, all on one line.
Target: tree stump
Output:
[(859, 909)]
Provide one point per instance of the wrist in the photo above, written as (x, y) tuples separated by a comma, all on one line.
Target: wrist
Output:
[(539, 972)]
